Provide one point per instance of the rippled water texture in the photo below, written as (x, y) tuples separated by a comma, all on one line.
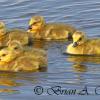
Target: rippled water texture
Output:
[(63, 70)]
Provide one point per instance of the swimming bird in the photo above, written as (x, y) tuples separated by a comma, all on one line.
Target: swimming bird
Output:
[(13, 34), (39, 29), (16, 58), (83, 45)]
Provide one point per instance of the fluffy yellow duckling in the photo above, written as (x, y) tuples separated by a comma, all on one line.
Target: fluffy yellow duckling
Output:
[(82, 45), (2, 29), (39, 29), (15, 58), (14, 34), (26, 50), (3, 40), (19, 35)]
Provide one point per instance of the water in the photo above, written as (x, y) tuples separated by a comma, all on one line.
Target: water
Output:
[(69, 72)]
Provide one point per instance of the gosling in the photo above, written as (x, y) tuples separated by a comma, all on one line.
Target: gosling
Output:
[(15, 58), (39, 29), (83, 46), (14, 34)]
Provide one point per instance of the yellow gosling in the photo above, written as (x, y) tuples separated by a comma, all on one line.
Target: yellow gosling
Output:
[(2, 29), (39, 29), (3, 34), (84, 46), (17, 58), (26, 50), (14, 34), (19, 35)]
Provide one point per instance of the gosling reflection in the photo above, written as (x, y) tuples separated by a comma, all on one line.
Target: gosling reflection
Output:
[(39, 44), (79, 68), (10, 82), (9, 91), (84, 59), (7, 81)]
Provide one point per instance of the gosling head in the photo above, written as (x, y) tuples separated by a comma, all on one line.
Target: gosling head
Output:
[(78, 38), (2, 29), (6, 56), (15, 46), (35, 24), (9, 53)]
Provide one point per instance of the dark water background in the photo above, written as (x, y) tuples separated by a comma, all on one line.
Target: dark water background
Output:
[(69, 72)]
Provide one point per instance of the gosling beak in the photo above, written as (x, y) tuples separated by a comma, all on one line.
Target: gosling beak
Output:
[(75, 44), (30, 27), (69, 36)]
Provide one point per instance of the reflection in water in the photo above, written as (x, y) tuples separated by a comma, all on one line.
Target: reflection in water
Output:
[(79, 68), (49, 44), (11, 81), (8, 91), (39, 44), (80, 65), (6, 80), (84, 59)]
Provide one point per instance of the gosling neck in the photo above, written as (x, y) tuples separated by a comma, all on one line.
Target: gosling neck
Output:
[(2, 36)]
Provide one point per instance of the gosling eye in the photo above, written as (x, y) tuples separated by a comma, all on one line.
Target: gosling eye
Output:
[(29, 27), (34, 23), (15, 48), (80, 39), (4, 55)]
